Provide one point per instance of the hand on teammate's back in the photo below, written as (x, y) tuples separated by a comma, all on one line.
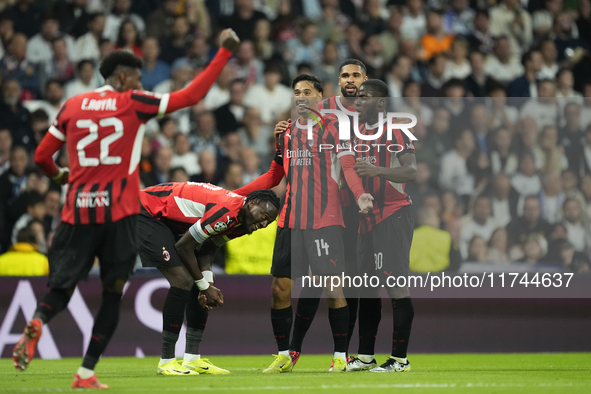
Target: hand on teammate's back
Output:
[(281, 127), (365, 203), (229, 40), (214, 296)]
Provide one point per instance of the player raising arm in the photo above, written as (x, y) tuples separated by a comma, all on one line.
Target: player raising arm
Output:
[(103, 130), (176, 220)]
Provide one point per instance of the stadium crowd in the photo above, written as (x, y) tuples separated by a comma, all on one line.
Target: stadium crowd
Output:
[(501, 89)]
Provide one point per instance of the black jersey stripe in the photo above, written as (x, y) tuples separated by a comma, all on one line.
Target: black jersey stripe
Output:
[(160, 193), (382, 162), (296, 140), (325, 163), (122, 188), (215, 217), (287, 218), (146, 99), (108, 213), (311, 206), (92, 210), (141, 115), (77, 219)]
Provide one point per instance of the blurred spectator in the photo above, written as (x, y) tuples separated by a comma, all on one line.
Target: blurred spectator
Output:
[(570, 181), (586, 191), (543, 19), (566, 37), (53, 210), (285, 26), (232, 177), (390, 39), (526, 181), (450, 210), (39, 123), (183, 156), (477, 250), (502, 159), (14, 116), (23, 258), (175, 45), (564, 87), (502, 115), (6, 31), (207, 137), (53, 99), (526, 85), (477, 223), (459, 19), (5, 148), (480, 38), (253, 134), (551, 197), (502, 65), (85, 80), (178, 174), (498, 247), (128, 38), (161, 170), (544, 109), (35, 210), (307, 47), (14, 65), (25, 14), (229, 149), (168, 131), (511, 19), (531, 222), (244, 19), (414, 21), (181, 74), (372, 17), (553, 158), (458, 65), (271, 98), (155, 71), (436, 41), (159, 23), (572, 260), (479, 125), (534, 249), (87, 46), (264, 46), (454, 173), (250, 163), (434, 80), (198, 53), (584, 21), (399, 73), (40, 46), (549, 56), (438, 135), (503, 200), (556, 237), (578, 231), (421, 186), (432, 249), (12, 184), (209, 171), (371, 55), (219, 94), (59, 67), (229, 117), (528, 139), (72, 16), (328, 70), (119, 13)]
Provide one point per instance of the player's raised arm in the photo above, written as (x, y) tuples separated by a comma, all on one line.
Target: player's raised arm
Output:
[(268, 180), (199, 87), (52, 142)]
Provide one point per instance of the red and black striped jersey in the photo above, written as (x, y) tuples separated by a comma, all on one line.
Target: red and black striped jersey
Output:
[(388, 196), (201, 208), (335, 102), (313, 172), (104, 130)]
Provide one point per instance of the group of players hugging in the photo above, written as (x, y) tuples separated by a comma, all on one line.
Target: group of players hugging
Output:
[(345, 211)]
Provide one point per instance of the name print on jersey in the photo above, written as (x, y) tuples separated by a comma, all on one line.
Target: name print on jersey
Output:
[(109, 104)]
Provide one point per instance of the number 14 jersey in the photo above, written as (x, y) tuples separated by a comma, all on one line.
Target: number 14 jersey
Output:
[(104, 130)]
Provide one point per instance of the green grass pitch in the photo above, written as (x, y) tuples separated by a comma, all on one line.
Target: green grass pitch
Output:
[(437, 373)]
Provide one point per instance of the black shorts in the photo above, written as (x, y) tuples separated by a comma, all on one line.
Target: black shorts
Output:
[(298, 251), (157, 243), (75, 247), (385, 251)]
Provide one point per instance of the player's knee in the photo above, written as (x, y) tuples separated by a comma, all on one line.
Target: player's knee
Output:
[(182, 282), (397, 293), (115, 286), (280, 289)]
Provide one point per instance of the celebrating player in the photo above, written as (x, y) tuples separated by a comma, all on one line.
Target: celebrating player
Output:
[(386, 231), (311, 221), (103, 130), (176, 219)]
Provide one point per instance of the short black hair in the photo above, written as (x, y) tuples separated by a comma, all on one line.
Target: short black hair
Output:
[(52, 81), (527, 56), (82, 62), (117, 59), (310, 78), (377, 86), (272, 67), (354, 62), (34, 198), (39, 115), (263, 195), (453, 83)]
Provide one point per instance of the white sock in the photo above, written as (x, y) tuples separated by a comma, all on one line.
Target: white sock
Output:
[(165, 360), (366, 358), (85, 373), (400, 360), (189, 358), (284, 353), (342, 355)]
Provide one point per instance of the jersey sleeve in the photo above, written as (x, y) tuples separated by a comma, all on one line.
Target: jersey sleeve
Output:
[(52, 142), (148, 105), (217, 219), (342, 147), (404, 143)]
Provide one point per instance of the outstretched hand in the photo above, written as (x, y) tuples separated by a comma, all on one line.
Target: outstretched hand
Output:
[(229, 40)]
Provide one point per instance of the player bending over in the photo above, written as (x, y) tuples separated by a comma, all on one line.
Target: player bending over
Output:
[(176, 220), (103, 130), (386, 231)]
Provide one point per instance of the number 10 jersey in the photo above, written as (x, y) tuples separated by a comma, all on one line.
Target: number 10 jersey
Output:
[(104, 130)]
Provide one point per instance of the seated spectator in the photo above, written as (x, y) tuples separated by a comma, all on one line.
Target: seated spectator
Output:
[(167, 132), (229, 117), (207, 136), (40, 46), (219, 94), (438, 135), (53, 215), (87, 45), (245, 64), (253, 134), (14, 116), (306, 47), (477, 250), (555, 237), (565, 36), (432, 249), (436, 41), (534, 249), (479, 222), (263, 45), (498, 247), (414, 21), (53, 100), (480, 38), (578, 231), (584, 21), (251, 164), (549, 65), (572, 260), (233, 177), (459, 109), (159, 22), (586, 191), (13, 181), (23, 258), (391, 38), (553, 158), (39, 123), (459, 19), (450, 209), (271, 98), (154, 71), (421, 186), (526, 181), (531, 222), (510, 18), (502, 115), (502, 65), (458, 65), (573, 138), (565, 83), (477, 81), (161, 170), (371, 55), (551, 197), (526, 85), (23, 12), (178, 174), (412, 102), (243, 20), (502, 158), (85, 80), (570, 182), (478, 117), (209, 170), (528, 140), (73, 17), (119, 13), (129, 38), (5, 148), (35, 210), (435, 79), (229, 149), (454, 173), (175, 46), (15, 65), (183, 156), (503, 199), (543, 19), (399, 73), (59, 67)]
